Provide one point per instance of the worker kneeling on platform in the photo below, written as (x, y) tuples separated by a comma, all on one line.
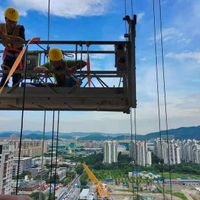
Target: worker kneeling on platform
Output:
[(13, 37), (62, 70)]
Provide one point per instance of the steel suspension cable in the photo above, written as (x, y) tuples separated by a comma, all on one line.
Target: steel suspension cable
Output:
[(49, 22), (158, 96), (57, 133), (125, 13), (52, 145), (132, 8), (136, 155), (22, 124), (43, 139), (131, 124), (131, 142), (165, 94), (42, 162)]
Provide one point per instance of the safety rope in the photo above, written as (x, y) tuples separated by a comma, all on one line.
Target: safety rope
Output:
[(165, 95), (158, 97)]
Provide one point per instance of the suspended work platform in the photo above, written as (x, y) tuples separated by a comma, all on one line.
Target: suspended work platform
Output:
[(41, 98), (111, 89)]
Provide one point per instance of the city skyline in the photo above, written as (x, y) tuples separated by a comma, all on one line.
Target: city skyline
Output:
[(182, 57)]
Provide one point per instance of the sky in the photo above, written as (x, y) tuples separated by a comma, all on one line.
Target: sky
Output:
[(102, 20)]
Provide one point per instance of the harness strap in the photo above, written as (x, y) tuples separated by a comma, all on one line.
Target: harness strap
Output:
[(6, 50), (17, 61)]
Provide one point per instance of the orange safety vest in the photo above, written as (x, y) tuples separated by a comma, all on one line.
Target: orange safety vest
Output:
[(3, 29)]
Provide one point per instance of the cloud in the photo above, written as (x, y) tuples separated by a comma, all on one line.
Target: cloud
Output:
[(185, 56), (64, 8), (140, 16), (172, 35)]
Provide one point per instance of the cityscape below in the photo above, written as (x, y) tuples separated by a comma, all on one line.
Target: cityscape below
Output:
[(125, 168)]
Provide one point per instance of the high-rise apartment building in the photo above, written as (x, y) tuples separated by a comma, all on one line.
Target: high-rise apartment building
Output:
[(176, 151), (190, 151), (139, 153), (29, 148), (6, 166), (110, 152)]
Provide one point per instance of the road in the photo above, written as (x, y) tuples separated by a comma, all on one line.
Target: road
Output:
[(71, 192)]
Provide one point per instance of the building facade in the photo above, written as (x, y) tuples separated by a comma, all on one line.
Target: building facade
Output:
[(140, 154), (110, 152), (25, 165), (6, 166), (29, 148), (177, 151)]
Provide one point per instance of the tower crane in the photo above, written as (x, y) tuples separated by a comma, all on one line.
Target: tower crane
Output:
[(102, 192)]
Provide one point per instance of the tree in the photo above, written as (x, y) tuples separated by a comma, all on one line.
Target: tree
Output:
[(36, 195), (79, 169)]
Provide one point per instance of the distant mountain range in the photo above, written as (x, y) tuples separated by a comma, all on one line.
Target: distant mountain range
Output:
[(182, 133)]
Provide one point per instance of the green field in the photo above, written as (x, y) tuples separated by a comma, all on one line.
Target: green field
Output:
[(181, 175)]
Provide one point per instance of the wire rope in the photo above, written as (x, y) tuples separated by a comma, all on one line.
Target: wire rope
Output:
[(165, 94), (158, 98)]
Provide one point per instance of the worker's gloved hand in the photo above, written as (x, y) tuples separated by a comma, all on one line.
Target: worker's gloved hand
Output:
[(13, 197), (11, 41), (5, 41), (5, 67), (41, 69), (80, 64)]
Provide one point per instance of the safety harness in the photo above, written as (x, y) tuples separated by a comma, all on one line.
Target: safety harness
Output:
[(14, 49)]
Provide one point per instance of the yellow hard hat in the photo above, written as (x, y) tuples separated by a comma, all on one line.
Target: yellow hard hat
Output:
[(55, 54), (12, 14)]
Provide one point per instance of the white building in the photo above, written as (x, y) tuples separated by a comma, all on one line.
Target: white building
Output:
[(6, 166), (110, 152), (140, 153), (86, 194), (179, 151), (190, 151)]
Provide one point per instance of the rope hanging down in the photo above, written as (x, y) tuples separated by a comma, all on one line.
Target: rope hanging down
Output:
[(158, 97), (57, 134), (164, 89), (42, 162), (13, 69), (165, 95), (125, 13), (51, 170), (136, 153)]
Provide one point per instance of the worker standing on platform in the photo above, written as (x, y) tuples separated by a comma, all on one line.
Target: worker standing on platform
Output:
[(62, 70), (12, 36)]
